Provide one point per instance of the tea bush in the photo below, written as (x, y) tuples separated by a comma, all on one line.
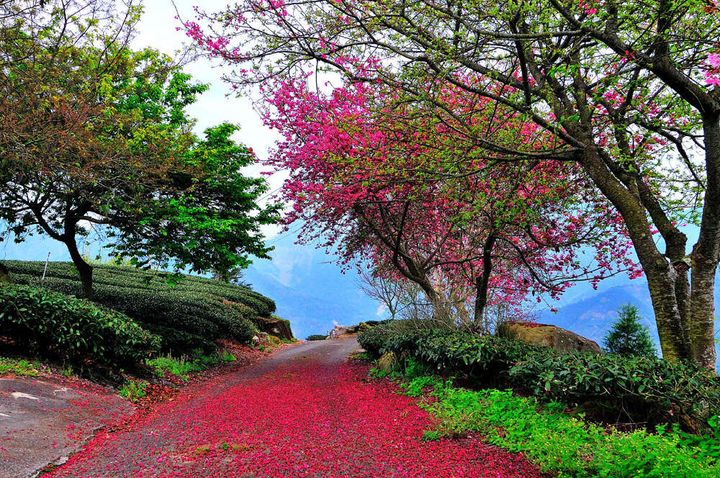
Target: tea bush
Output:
[(647, 388), (56, 325), (188, 313)]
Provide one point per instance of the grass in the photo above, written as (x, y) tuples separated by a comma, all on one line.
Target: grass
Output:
[(19, 367), (183, 366), (555, 441)]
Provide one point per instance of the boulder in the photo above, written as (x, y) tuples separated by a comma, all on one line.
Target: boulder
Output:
[(274, 326), (549, 336)]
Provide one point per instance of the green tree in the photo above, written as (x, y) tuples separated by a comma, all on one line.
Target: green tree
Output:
[(209, 220), (628, 336), (95, 135)]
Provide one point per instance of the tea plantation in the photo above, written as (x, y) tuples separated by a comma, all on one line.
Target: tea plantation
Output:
[(187, 314)]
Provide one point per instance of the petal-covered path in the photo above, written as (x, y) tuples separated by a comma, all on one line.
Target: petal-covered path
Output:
[(305, 411)]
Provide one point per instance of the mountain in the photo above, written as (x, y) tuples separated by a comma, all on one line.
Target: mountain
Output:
[(309, 288), (592, 315)]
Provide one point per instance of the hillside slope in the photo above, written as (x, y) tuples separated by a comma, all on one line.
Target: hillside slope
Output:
[(189, 314)]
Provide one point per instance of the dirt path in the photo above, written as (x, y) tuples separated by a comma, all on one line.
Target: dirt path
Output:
[(305, 411)]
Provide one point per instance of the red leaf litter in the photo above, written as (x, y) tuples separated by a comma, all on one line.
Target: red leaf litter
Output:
[(305, 418)]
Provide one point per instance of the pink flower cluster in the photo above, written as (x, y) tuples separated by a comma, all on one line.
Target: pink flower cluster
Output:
[(712, 73)]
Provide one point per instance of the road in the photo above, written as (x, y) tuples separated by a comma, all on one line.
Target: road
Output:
[(45, 419), (305, 411)]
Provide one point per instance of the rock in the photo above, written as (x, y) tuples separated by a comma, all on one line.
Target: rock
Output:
[(342, 330), (549, 336), (388, 362), (274, 326)]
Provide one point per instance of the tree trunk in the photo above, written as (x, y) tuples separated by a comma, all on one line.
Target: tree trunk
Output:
[(84, 269), (671, 330), (701, 326), (705, 255), (660, 272), (482, 282)]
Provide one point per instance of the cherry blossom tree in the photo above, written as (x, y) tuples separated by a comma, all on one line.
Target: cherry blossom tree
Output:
[(627, 90), (364, 176)]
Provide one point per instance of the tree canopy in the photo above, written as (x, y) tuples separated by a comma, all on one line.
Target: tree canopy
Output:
[(626, 90), (95, 134)]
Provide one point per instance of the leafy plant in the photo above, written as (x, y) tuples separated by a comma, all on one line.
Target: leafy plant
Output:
[(561, 443), (133, 390), (56, 325), (647, 388), (20, 367), (188, 315), (183, 366), (316, 337)]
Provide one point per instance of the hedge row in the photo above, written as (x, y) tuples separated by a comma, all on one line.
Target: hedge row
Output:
[(59, 326), (150, 280), (189, 315), (645, 389)]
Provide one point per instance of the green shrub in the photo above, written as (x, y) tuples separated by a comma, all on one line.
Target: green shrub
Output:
[(664, 391), (628, 336), (179, 342), (316, 337), (183, 366), (54, 324), (647, 388), (563, 444), (20, 367), (191, 313), (133, 390)]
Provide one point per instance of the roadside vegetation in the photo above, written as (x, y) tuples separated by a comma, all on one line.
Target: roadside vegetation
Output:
[(186, 313), (144, 331), (575, 414), (18, 367)]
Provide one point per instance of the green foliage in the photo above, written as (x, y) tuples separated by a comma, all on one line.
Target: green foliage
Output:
[(20, 367), (183, 366), (56, 325), (96, 132), (639, 388), (316, 337), (708, 443), (628, 336), (648, 388), (562, 444), (188, 314), (418, 385), (133, 390), (214, 210)]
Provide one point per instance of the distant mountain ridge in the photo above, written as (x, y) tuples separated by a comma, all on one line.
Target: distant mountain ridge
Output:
[(592, 316), (309, 288)]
